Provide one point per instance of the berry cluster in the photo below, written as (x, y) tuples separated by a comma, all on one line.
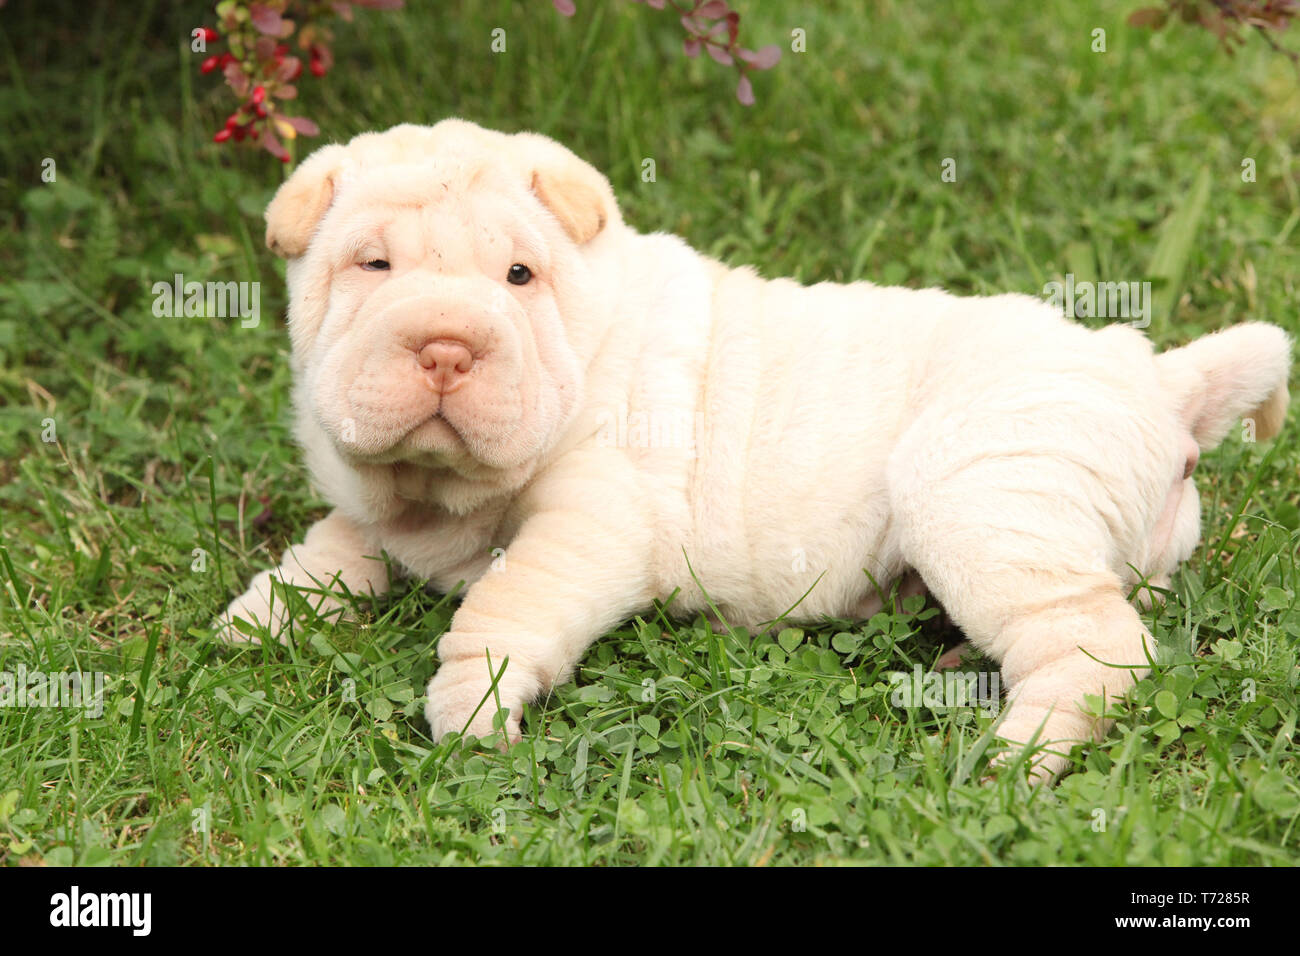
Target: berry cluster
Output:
[(260, 69)]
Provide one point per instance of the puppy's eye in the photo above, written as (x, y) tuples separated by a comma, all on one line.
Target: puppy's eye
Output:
[(518, 274), (375, 265)]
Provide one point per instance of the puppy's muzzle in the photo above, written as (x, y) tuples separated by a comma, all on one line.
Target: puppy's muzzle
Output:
[(446, 363)]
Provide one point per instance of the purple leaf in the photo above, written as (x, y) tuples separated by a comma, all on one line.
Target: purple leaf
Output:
[(324, 54), (265, 19), (691, 47), (720, 55), (237, 79), (272, 145), (303, 125), (565, 7), (764, 59), (745, 91), (713, 9), (288, 69)]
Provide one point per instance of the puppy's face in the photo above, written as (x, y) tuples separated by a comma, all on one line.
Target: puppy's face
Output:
[(443, 337), (439, 304)]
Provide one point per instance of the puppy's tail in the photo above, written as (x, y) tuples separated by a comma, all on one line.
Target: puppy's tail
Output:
[(1239, 373)]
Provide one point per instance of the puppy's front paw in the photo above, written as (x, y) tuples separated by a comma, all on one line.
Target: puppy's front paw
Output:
[(258, 607), (264, 605), (1040, 768), (462, 698)]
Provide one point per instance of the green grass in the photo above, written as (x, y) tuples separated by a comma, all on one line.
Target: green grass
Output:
[(172, 436)]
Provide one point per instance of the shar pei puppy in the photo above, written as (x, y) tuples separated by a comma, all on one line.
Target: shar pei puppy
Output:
[(501, 383)]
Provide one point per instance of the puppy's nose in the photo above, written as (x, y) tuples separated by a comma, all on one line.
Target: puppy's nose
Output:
[(446, 361)]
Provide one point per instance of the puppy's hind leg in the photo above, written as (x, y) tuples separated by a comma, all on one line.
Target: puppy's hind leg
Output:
[(1017, 551)]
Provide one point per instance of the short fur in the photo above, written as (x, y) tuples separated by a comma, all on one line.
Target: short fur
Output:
[(1020, 464)]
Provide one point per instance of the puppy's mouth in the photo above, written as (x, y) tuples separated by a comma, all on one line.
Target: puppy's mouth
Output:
[(432, 412), (434, 431), (435, 445), (433, 441)]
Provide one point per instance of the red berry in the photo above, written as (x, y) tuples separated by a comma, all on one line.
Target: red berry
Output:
[(281, 49), (222, 136), (232, 121), (240, 133), (210, 34), (317, 68), (227, 58), (284, 158), (260, 110), (209, 65), (254, 133)]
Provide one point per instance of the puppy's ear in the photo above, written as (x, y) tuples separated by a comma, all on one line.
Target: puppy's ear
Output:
[(299, 204), (1239, 372), (574, 199), (574, 191)]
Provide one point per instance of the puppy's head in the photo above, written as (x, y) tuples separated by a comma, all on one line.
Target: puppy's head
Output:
[(442, 302)]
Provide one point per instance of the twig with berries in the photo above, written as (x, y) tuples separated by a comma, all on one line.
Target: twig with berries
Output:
[(712, 26), (1225, 18), (259, 67)]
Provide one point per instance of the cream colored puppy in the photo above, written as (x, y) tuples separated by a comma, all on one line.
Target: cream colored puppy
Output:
[(499, 382)]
